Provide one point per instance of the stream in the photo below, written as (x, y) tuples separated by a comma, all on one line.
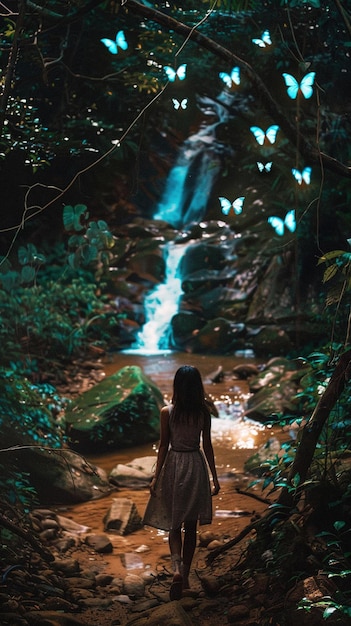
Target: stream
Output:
[(234, 440)]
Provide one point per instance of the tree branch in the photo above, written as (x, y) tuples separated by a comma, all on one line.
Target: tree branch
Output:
[(310, 153)]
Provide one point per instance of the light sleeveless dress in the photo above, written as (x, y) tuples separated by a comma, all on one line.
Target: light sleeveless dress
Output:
[(183, 491)]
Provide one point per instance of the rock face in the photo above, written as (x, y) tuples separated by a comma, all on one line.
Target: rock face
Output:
[(119, 412), (238, 288)]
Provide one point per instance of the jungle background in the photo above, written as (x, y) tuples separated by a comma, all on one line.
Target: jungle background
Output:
[(89, 133)]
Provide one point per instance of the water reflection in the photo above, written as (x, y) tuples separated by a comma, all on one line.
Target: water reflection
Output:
[(234, 436)]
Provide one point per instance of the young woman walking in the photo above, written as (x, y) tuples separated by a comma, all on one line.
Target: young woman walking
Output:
[(180, 493)]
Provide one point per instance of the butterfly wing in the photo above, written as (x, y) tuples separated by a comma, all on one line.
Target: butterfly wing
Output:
[(297, 175), (181, 71), (259, 134), (266, 37), (277, 224), (290, 221), (306, 175), (271, 133), (226, 79), (265, 41), (171, 73), (238, 205), (184, 103), (260, 166), (121, 40), (235, 75), (306, 85), (110, 45), (176, 103), (292, 85), (225, 205)]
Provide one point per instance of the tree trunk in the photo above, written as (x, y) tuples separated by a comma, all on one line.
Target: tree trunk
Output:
[(311, 432)]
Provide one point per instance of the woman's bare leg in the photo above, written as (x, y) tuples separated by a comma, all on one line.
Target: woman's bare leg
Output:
[(189, 546), (175, 546)]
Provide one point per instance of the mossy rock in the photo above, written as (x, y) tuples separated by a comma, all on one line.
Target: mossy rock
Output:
[(121, 411)]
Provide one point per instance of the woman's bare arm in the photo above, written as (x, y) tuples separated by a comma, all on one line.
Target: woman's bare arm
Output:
[(163, 446), (209, 454)]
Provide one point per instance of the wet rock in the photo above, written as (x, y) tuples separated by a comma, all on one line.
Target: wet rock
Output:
[(271, 340), (119, 412), (66, 566), (135, 475), (134, 586), (123, 517), (183, 327), (102, 580), (243, 371), (100, 543), (148, 266), (202, 256), (206, 537), (65, 477), (218, 336)]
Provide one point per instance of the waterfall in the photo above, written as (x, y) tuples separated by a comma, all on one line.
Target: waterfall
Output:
[(190, 181), (184, 201), (160, 305)]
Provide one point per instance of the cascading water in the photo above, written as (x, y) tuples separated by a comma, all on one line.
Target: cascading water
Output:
[(184, 201), (161, 304), (190, 181)]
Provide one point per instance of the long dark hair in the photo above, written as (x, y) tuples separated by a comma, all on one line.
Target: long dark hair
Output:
[(189, 402)]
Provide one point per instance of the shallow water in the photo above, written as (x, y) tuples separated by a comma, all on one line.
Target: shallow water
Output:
[(234, 437)]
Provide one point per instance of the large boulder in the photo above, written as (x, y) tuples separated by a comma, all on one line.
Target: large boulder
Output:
[(119, 412), (218, 336), (63, 476)]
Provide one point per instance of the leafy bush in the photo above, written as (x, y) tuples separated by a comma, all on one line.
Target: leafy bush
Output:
[(53, 311)]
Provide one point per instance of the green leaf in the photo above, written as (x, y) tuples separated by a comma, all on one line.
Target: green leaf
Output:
[(331, 255), (27, 254), (72, 216), (330, 272), (296, 480), (339, 524), (27, 274)]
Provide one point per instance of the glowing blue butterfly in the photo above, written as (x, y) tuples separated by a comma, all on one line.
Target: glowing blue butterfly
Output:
[(182, 104), (265, 41), (260, 135), (172, 74), (279, 225), (304, 176), (233, 77), (264, 167), (120, 42), (237, 205), (305, 87)]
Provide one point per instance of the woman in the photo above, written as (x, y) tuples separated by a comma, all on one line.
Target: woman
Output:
[(180, 489)]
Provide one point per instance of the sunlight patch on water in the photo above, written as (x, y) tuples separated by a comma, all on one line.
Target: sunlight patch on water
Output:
[(240, 433)]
